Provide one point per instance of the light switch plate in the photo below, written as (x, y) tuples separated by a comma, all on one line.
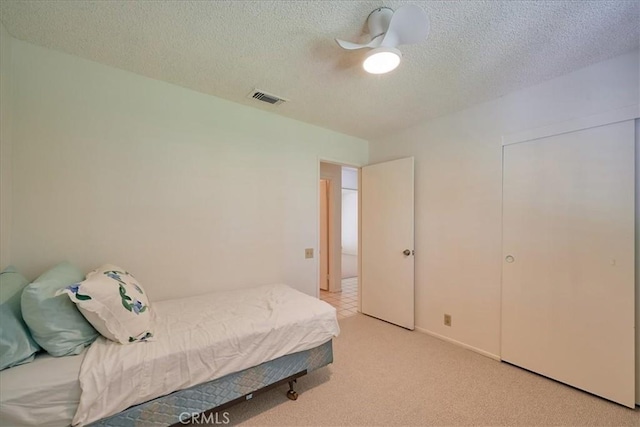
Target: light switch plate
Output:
[(308, 253)]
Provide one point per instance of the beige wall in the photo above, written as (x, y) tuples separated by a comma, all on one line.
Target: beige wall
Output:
[(458, 192), (189, 192), (5, 147)]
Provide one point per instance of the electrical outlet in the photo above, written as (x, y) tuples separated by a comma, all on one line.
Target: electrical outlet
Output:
[(308, 253), (447, 320)]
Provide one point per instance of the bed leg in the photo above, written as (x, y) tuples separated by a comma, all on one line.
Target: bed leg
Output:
[(292, 394)]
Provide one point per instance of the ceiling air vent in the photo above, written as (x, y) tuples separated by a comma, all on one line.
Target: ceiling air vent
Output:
[(263, 96)]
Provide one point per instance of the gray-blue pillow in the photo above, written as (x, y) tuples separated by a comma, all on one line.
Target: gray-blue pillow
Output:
[(54, 321), (16, 345)]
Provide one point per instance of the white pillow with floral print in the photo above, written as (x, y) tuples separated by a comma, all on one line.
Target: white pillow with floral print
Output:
[(113, 301)]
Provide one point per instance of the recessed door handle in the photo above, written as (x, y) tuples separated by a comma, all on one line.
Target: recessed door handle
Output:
[(406, 252), (509, 259)]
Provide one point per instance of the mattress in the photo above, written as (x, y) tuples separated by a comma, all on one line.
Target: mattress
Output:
[(199, 339), (176, 407), (45, 392)]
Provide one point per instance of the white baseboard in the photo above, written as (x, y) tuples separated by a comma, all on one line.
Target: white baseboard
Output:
[(459, 344)]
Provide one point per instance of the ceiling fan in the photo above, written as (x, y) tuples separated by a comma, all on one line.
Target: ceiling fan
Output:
[(388, 29)]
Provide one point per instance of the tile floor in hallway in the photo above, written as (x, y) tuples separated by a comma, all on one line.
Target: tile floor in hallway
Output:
[(345, 302)]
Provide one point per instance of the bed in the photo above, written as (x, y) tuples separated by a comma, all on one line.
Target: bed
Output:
[(209, 351)]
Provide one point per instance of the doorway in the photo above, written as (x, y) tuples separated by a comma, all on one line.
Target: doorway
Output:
[(338, 242)]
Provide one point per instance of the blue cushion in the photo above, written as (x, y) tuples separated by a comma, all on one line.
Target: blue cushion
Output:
[(16, 345), (54, 321)]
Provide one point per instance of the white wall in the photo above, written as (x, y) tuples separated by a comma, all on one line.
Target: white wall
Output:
[(349, 211), (349, 178), (189, 192), (5, 147), (350, 222), (458, 192), (349, 233)]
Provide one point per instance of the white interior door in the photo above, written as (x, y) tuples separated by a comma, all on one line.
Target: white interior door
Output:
[(387, 242), (568, 266)]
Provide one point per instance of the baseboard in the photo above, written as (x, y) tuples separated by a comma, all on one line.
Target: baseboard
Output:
[(459, 344)]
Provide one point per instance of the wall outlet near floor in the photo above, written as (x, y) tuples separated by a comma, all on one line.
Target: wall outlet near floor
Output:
[(447, 320), (308, 253)]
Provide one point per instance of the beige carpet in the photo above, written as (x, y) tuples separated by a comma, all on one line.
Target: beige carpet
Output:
[(384, 375)]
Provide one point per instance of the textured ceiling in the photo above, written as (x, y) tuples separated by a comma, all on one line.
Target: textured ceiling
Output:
[(476, 51)]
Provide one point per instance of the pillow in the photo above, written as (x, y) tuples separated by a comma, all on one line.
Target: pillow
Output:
[(114, 303), (16, 345), (54, 321)]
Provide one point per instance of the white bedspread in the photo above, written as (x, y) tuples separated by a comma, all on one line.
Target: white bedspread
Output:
[(199, 339), (42, 393)]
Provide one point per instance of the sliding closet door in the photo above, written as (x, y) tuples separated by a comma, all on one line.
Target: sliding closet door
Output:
[(568, 259)]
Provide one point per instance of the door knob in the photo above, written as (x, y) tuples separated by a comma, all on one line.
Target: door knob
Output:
[(406, 252)]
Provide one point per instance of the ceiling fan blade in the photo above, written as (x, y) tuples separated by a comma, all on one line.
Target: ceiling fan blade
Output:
[(409, 24), (351, 46)]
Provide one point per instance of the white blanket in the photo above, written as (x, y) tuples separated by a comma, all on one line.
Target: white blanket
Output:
[(199, 339)]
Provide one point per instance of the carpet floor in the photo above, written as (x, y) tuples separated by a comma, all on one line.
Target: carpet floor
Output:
[(383, 375)]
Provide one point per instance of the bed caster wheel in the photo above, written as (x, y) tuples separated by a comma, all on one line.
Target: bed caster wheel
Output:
[(292, 395)]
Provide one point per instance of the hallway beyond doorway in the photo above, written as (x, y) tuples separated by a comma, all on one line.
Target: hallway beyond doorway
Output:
[(345, 302)]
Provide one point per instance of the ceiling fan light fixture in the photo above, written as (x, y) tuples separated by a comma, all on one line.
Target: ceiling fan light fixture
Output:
[(382, 60)]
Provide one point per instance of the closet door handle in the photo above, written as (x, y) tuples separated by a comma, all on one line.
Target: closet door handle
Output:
[(509, 259), (406, 252)]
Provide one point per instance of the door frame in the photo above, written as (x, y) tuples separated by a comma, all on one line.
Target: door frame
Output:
[(317, 259)]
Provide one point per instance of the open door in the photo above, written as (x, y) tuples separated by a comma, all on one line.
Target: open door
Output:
[(387, 263)]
